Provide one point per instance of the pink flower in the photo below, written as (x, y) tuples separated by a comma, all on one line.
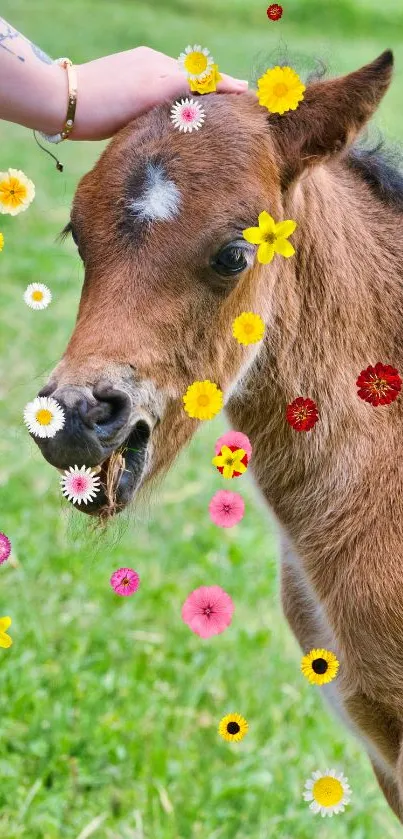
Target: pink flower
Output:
[(125, 581), (226, 508), (5, 547), (208, 611), (234, 438)]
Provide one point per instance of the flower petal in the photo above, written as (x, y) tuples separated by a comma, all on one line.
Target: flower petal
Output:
[(285, 228), (253, 235), (266, 223), (284, 247), (265, 253)]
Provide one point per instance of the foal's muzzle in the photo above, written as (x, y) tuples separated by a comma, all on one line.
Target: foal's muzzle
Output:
[(98, 423)]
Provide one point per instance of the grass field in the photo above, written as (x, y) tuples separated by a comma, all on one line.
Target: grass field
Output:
[(109, 707)]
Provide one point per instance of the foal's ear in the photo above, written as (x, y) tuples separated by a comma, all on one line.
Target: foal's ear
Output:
[(329, 117)]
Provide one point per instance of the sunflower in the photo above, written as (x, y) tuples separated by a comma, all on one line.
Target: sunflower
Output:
[(328, 792), (208, 82), (319, 667), (231, 461), (233, 727), (271, 237), (203, 400), (248, 328), (280, 90), (16, 192), (196, 62)]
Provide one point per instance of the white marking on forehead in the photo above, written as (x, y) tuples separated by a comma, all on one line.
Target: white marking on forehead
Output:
[(161, 199)]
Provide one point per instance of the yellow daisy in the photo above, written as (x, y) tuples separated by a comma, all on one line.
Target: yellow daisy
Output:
[(271, 237), (248, 328), (280, 90), (207, 83), (319, 667), (5, 640), (16, 192), (233, 727), (1, 241), (195, 62), (203, 400), (230, 461)]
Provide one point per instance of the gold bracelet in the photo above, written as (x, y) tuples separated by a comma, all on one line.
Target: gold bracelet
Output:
[(72, 103)]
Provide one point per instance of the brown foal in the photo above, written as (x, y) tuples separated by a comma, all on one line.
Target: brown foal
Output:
[(159, 224)]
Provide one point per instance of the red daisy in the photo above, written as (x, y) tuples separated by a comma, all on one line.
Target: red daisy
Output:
[(379, 385), (274, 11), (302, 414)]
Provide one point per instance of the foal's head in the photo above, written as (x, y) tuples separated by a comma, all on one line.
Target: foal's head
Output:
[(158, 224)]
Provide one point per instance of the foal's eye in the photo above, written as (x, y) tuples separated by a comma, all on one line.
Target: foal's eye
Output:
[(74, 236), (230, 260)]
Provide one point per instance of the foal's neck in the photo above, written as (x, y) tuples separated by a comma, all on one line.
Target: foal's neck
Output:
[(336, 308)]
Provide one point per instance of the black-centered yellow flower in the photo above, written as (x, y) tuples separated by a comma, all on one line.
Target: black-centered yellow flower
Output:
[(320, 666), (233, 727)]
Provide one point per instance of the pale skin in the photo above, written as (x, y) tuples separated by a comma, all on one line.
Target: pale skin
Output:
[(112, 90)]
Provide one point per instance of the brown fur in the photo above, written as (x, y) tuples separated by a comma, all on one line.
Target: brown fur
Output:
[(332, 310)]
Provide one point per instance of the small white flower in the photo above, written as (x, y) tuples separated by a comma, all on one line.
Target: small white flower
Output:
[(80, 484), (328, 791), (44, 417), (187, 115), (37, 296), (195, 62)]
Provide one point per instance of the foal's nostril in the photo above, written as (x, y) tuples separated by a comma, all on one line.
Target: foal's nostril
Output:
[(109, 415)]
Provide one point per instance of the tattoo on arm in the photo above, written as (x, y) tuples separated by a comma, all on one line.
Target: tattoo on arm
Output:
[(7, 32)]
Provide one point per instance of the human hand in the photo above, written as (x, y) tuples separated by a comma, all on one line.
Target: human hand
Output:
[(116, 88)]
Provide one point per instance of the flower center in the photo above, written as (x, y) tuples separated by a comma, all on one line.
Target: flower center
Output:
[(37, 295), (196, 62), (248, 327), (327, 791), (379, 385), (125, 581), (229, 461), (233, 727), (301, 414), (270, 238), (43, 416), (319, 666), (280, 89), (79, 484), (203, 400), (208, 611), (188, 114), (226, 508)]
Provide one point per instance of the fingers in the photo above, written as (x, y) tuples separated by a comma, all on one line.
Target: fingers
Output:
[(230, 85)]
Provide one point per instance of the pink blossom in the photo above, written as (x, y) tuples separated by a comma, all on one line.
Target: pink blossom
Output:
[(226, 508), (125, 581), (234, 438), (208, 611), (5, 547)]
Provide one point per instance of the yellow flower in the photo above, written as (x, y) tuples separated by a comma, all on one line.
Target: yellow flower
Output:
[(16, 192), (319, 667), (280, 90), (207, 83), (195, 62), (233, 727), (1, 241), (230, 461), (329, 792), (203, 400), (248, 328), (271, 237), (5, 640)]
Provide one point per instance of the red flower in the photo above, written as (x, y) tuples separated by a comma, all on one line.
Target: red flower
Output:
[(302, 414), (379, 385), (274, 11)]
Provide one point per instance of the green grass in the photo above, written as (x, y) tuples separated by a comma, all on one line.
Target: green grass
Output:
[(109, 707)]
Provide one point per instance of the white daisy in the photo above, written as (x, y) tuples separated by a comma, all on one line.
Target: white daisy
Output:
[(328, 791), (187, 115), (37, 296), (44, 416), (16, 192), (80, 484), (195, 62)]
